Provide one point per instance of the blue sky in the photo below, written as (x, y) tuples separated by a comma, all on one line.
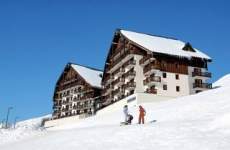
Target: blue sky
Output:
[(38, 37)]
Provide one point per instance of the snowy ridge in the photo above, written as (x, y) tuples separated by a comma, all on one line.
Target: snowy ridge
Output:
[(162, 45), (91, 76), (199, 122)]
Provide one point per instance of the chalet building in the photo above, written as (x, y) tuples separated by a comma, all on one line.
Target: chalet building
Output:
[(153, 65), (76, 91)]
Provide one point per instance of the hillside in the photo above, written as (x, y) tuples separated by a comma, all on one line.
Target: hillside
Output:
[(200, 122)]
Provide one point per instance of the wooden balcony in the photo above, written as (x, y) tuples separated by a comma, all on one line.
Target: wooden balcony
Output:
[(56, 107), (119, 72), (56, 97), (107, 98), (65, 102), (107, 89), (149, 69), (115, 92), (108, 86), (121, 93), (118, 92), (118, 81), (202, 85), (56, 111), (119, 61), (130, 74), (75, 99), (129, 64), (151, 91), (146, 59), (87, 96), (202, 74), (65, 110), (130, 85), (152, 80), (121, 96), (109, 78)]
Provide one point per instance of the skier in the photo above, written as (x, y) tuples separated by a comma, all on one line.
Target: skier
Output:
[(125, 110), (141, 115)]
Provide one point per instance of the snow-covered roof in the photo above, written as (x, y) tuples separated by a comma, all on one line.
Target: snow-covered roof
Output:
[(92, 76), (162, 45)]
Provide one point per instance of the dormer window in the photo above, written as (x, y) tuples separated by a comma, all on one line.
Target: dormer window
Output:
[(188, 47)]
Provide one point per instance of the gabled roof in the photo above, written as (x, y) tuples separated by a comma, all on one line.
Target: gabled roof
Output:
[(163, 45), (91, 75)]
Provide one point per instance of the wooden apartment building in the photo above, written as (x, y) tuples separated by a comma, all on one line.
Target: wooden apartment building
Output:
[(162, 66), (76, 92)]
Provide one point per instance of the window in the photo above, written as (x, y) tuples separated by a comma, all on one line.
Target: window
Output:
[(164, 87), (177, 76), (164, 75), (178, 88)]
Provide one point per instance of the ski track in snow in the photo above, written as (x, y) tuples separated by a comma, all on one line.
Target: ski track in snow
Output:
[(197, 122)]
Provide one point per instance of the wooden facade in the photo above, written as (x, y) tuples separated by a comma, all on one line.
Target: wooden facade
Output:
[(122, 52), (73, 95)]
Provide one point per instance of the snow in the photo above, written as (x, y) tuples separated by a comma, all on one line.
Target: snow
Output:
[(22, 130), (224, 81), (200, 122), (162, 45), (92, 76)]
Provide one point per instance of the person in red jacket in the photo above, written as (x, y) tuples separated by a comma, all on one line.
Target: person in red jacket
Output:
[(141, 115)]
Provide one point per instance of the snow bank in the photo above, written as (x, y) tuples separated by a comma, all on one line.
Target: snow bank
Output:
[(22, 130)]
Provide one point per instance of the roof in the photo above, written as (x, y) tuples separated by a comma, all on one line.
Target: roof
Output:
[(91, 75), (162, 45)]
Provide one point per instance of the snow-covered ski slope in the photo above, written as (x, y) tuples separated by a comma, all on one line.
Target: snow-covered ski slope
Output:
[(200, 122), (23, 129)]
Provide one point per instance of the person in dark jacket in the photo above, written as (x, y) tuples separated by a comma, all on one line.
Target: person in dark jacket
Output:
[(130, 118)]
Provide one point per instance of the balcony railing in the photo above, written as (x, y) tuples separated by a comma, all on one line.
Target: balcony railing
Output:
[(75, 99), (118, 91), (119, 71), (152, 91), (202, 74), (119, 81), (202, 85), (56, 111), (148, 58), (109, 78), (108, 86), (129, 64), (154, 79), (149, 68), (56, 106), (107, 98), (122, 56), (130, 85), (86, 97), (130, 74)]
